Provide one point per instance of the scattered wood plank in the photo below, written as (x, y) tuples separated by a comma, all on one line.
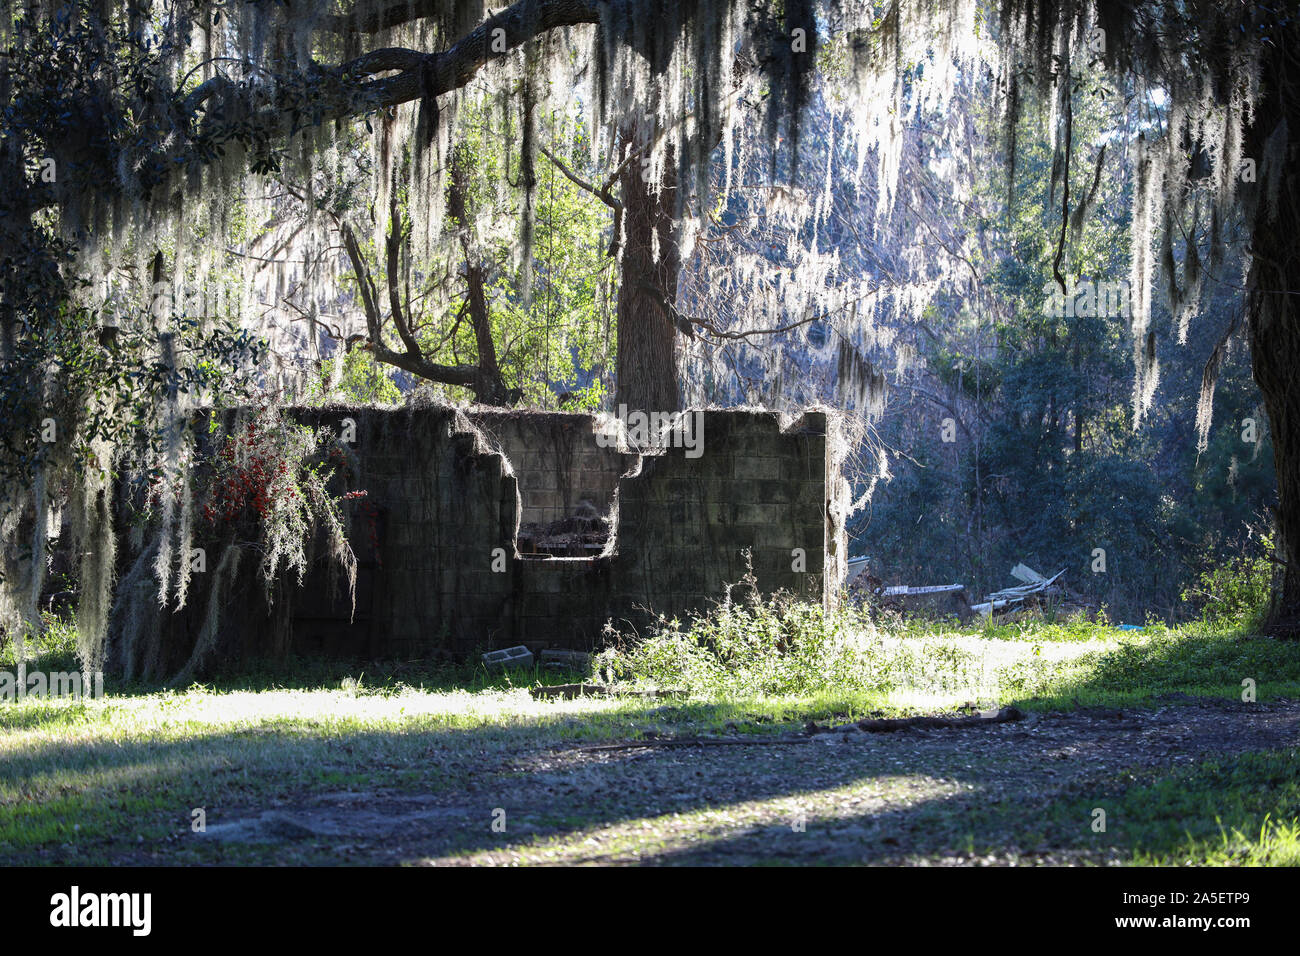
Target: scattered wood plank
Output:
[(1026, 575), (938, 600), (1016, 598)]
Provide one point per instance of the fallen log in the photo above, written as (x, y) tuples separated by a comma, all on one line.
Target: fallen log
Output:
[(696, 742), (887, 725), (570, 691)]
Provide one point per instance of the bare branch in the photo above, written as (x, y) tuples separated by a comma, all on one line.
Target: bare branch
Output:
[(601, 193), (400, 322)]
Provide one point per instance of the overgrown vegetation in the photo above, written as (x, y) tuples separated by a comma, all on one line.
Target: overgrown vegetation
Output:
[(1237, 592), (52, 646), (781, 647)]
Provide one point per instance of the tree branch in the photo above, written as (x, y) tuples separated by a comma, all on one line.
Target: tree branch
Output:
[(413, 362), (426, 74), (452, 69), (394, 296), (601, 192), (383, 16)]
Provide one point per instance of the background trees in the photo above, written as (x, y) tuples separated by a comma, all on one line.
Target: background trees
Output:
[(1044, 463)]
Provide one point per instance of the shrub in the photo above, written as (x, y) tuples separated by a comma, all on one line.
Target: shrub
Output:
[(779, 645), (1237, 592)]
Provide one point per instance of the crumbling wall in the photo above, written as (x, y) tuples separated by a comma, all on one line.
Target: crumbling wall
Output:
[(555, 459), (444, 575), (757, 493)]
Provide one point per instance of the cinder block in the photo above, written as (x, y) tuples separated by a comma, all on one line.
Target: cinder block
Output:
[(749, 467), (775, 491), (519, 656), (561, 658), (538, 480), (721, 512), (763, 516)]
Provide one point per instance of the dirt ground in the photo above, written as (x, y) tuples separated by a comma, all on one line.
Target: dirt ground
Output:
[(844, 796)]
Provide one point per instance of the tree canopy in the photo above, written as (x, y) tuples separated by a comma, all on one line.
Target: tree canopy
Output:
[(184, 180)]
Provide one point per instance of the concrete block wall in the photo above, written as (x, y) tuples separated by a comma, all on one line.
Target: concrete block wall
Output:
[(445, 502), (686, 524), (555, 459)]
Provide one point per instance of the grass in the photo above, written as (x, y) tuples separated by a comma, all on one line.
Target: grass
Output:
[(1254, 801), (116, 780), (1238, 811)]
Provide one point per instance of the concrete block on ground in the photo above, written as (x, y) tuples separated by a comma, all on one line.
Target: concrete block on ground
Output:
[(508, 657)]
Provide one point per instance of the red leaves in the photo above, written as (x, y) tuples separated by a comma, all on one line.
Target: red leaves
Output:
[(259, 483), (258, 474)]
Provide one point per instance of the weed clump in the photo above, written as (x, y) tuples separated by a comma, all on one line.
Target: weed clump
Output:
[(784, 646)]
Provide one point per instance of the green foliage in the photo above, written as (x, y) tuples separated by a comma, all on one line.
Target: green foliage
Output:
[(1236, 592), (557, 337), (781, 646), (1165, 660), (774, 646), (550, 315), (53, 644), (361, 381)]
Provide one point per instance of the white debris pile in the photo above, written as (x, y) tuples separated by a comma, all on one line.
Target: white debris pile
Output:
[(1035, 590)]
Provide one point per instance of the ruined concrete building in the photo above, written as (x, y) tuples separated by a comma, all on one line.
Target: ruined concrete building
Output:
[(494, 528)]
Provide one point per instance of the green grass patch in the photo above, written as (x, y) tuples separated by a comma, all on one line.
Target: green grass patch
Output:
[(1242, 810)]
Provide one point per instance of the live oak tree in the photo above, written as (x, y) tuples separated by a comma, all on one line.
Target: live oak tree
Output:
[(156, 114)]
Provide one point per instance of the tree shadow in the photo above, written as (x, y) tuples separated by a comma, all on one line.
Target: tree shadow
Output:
[(438, 786)]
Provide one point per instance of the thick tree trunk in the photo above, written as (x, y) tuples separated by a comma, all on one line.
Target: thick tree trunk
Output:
[(1275, 346), (647, 332), (1275, 352), (1273, 303)]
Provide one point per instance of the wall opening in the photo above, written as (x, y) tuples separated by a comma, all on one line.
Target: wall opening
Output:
[(583, 534), (567, 481)]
